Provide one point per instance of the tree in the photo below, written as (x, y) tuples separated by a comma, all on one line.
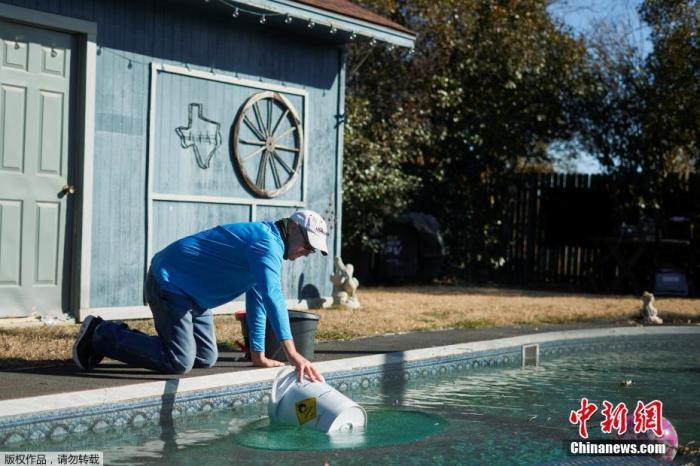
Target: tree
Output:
[(491, 85), (613, 116), (674, 69), (374, 185), (641, 116)]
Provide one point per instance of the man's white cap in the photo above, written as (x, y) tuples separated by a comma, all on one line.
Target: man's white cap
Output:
[(315, 227)]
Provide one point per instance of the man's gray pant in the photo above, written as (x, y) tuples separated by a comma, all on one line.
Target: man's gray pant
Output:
[(185, 338)]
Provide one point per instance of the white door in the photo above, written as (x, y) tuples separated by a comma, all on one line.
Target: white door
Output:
[(36, 66)]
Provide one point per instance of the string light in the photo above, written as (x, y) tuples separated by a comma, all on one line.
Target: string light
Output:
[(287, 18), (235, 13), (130, 62)]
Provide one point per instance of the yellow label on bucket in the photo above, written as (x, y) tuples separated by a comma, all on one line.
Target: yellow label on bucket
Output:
[(306, 410)]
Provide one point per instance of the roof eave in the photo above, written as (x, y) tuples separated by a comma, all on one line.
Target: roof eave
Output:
[(344, 25)]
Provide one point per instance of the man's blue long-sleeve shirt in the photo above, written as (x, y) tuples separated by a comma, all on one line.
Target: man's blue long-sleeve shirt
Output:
[(215, 266)]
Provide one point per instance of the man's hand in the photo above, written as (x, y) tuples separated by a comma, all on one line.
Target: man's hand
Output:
[(304, 367), (259, 360)]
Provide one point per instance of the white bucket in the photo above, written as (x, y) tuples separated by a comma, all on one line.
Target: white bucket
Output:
[(312, 405)]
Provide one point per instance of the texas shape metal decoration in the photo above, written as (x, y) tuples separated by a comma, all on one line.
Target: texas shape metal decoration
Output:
[(268, 143), (201, 134)]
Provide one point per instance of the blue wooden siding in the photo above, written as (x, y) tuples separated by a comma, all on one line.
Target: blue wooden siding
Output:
[(177, 219), (203, 38)]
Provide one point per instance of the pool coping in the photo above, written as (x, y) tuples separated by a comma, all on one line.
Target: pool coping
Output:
[(34, 406)]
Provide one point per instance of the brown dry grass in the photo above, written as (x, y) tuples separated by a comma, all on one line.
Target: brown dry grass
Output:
[(389, 310)]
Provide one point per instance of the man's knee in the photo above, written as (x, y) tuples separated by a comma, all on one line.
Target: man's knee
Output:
[(181, 365), (208, 359)]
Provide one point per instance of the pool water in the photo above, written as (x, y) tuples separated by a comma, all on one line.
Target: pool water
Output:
[(489, 416), (381, 430)]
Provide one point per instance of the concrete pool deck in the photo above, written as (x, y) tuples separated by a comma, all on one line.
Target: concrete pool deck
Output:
[(59, 402), (61, 379), (29, 382)]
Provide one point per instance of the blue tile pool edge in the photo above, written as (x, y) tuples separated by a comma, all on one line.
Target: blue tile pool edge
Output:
[(347, 375)]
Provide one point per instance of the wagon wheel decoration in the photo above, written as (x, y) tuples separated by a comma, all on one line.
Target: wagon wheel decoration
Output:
[(268, 143)]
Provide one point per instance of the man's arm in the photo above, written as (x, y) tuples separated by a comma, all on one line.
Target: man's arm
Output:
[(255, 319), (265, 299), (267, 296)]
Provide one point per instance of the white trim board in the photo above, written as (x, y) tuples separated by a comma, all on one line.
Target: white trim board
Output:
[(339, 153), (38, 404), (85, 246), (252, 202), (223, 200), (85, 137), (225, 78), (48, 20)]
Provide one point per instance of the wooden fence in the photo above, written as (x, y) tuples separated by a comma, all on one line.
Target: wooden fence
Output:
[(566, 230), (529, 259)]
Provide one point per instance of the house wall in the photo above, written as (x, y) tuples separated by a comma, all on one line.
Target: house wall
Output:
[(130, 36)]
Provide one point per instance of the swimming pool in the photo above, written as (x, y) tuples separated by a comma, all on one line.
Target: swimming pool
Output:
[(474, 409)]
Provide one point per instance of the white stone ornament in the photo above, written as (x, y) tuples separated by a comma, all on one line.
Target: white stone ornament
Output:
[(650, 315), (344, 285)]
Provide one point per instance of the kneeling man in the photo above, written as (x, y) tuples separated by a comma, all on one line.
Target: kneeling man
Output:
[(200, 272)]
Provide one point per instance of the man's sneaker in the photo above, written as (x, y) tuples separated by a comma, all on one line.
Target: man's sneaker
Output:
[(84, 355)]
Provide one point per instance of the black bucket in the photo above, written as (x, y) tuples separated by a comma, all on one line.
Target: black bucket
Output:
[(303, 326)]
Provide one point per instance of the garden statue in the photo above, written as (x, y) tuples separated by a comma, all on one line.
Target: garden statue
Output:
[(649, 313), (344, 285)]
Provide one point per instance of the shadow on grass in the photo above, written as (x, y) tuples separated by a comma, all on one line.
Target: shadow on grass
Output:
[(679, 319), (573, 321), (670, 318), (455, 290), (335, 335)]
